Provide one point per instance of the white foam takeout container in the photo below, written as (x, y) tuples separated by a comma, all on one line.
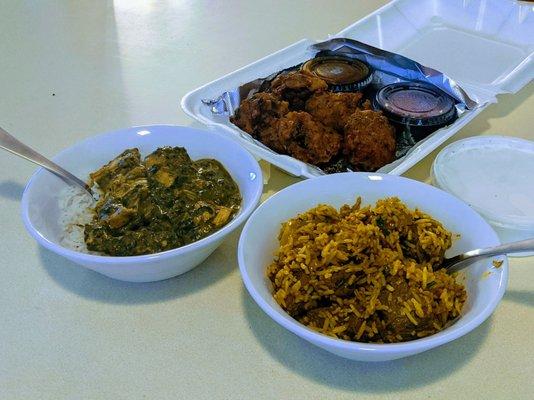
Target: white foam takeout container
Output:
[(486, 46)]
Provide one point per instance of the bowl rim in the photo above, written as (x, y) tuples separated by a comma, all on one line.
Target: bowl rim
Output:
[(417, 345), (242, 215)]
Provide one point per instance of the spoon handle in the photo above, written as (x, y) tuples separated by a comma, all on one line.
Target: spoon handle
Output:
[(18, 148), (461, 261)]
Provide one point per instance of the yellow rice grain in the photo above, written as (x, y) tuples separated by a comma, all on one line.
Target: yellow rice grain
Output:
[(361, 330)]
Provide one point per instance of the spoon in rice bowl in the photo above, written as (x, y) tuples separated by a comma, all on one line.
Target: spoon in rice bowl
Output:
[(15, 146), (463, 260)]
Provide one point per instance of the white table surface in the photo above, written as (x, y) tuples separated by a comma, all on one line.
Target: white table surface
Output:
[(69, 70)]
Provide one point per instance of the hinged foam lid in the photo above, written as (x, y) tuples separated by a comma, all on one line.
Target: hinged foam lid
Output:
[(494, 175), (484, 45)]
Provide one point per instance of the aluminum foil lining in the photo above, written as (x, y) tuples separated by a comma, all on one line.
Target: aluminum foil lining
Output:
[(395, 65), (388, 68)]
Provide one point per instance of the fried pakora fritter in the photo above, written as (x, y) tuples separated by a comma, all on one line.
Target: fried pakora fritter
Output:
[(295, 114), (259, 112), (369, 140), (333, 109), (300, 136), (296, 88), (366, 105)]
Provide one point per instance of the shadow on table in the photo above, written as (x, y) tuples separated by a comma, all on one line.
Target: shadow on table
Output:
[(11, 190), (329, 370), (525, 297), (507, 103), (94, 286)]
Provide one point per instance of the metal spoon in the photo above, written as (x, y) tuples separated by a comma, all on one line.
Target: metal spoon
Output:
[(13, 145), (463, 260)]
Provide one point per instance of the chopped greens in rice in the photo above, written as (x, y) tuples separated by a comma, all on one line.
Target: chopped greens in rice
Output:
[(366, 274)]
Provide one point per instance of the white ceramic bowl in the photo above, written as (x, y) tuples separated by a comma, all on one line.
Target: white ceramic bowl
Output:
[(258, 243), (40, 208)]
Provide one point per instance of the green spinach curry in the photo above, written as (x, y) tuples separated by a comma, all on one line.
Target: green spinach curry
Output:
[(159, 203)]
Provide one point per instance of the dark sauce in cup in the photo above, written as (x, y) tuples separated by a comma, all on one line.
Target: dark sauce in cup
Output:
[(417, 108), (340, 73)]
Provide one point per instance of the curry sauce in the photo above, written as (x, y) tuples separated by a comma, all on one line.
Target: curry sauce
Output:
[(160, 203)]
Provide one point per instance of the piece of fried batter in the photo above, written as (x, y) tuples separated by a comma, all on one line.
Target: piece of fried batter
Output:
[(333, 109), (296, 87), (369, 140), (259, 112), (300, 136)]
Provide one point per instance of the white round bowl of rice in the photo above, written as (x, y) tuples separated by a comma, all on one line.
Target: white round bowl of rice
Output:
[(54, 213), (264, 244)]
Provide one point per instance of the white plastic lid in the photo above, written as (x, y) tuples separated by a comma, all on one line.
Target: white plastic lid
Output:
[(494, 175)]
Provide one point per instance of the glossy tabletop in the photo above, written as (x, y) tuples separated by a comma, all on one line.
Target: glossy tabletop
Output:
[(69, 70)]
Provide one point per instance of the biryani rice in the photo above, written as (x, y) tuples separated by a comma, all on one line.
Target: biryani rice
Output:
[(366, 274)]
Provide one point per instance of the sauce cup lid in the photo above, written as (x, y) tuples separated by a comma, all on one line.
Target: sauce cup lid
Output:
[(417, 104), (493, 174), (343, 73)]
